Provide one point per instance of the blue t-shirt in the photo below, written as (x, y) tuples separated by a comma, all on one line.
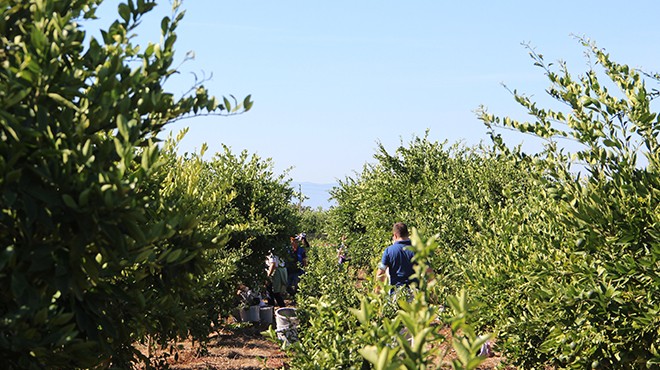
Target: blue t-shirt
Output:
[(399, 260)]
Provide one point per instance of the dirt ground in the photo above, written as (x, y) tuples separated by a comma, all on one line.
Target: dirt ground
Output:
[(244, 347), (233, 347)]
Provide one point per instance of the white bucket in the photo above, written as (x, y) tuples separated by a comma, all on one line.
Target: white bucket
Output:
[(287, 325), (285, 318)]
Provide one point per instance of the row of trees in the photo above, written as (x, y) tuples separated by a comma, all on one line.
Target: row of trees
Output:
[(108, 237), (558, 250), (584, 290), (447, 191)]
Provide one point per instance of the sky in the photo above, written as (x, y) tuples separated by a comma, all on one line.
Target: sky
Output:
[(332, 79)]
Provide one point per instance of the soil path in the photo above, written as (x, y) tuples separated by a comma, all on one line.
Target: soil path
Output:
[(241, 347), (244, 347)]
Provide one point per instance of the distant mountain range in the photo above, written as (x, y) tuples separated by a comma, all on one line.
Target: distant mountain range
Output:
[(318, 194)]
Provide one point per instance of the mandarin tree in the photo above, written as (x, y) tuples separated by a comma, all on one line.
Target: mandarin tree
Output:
[(584, 255), (88, 254)]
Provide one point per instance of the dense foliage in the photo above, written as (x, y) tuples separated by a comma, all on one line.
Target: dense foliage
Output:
[(313, 221), (109, 240), (559, 249), (421, 184), (94, 258), (239, 203), (449, 191), (580, 285), (347, 322)]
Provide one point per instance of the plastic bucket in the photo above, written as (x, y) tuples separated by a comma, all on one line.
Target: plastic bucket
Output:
[(253, 314), (266, 314), (244, 313), (287, 325), (285, 318)]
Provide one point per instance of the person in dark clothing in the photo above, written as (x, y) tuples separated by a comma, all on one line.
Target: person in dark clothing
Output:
[(298, 260)]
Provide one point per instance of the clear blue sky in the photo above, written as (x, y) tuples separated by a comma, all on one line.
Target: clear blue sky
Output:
[(330, 79)]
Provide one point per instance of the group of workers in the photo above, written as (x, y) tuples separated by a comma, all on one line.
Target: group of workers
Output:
[(284, 275), (396, 262)]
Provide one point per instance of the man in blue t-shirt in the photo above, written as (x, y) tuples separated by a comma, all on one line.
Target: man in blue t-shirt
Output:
[(397, 258)]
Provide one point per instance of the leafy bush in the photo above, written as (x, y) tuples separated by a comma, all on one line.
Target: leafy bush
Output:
[(347, 326), (93, 257), (327, 331), (559, 250), (583, 260), (313, 222), (450, 192), (241, 207)]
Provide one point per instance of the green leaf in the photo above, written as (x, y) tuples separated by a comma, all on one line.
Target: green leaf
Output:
[(135, 231), (474, 363), (124, 12), (383, 358), (364, 313), (610, 143), (38, 39), (164, 25), (462, 351), (227, 105), (144, 255), (174, 255), (169, 42), (146, 161), (41, 316), (58, 98), (18, 285), (83, 198), (247, 103), (122, 126), (407, 319), (370, 353), (13, 176), (420, 339), (69, 201), (61, 319), (15, 97)]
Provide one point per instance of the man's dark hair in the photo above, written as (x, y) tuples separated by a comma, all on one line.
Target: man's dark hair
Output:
[(400, 229)]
